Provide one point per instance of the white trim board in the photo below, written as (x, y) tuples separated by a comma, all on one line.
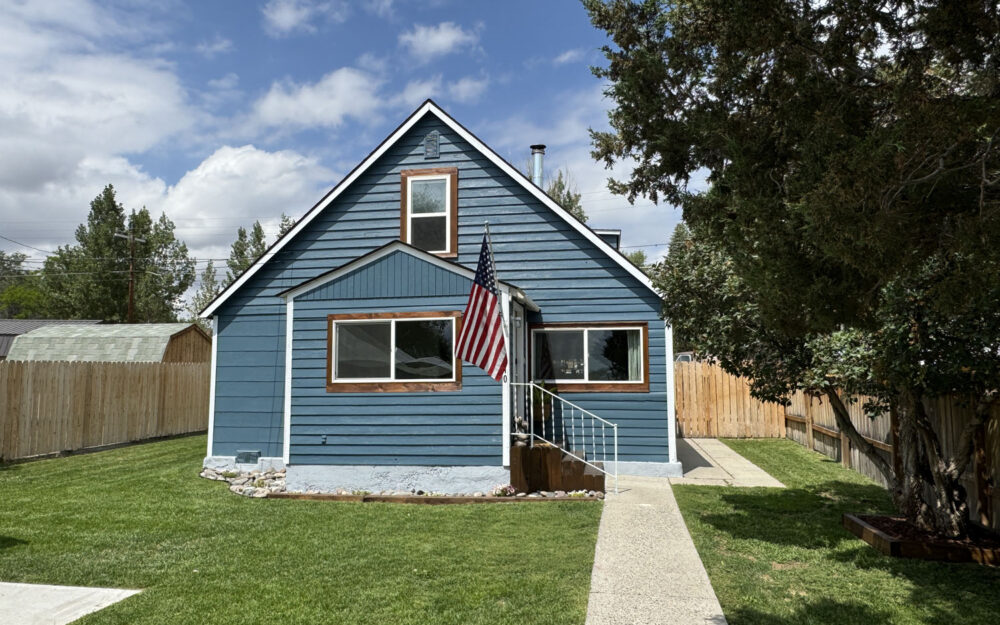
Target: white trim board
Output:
[(428, 107)]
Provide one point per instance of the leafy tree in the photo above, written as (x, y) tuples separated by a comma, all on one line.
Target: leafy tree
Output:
[(637, 258), (850, 233), (246, 249), (23, 301), (563, 191), (89, 280)]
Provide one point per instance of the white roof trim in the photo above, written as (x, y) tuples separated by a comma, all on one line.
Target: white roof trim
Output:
[(496, 159), (399, 246)]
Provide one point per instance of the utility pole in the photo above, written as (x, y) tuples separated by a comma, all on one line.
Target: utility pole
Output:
[(131, 269)]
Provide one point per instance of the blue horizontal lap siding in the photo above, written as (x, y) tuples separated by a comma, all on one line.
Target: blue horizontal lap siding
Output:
[(441, 428), (565, 274)]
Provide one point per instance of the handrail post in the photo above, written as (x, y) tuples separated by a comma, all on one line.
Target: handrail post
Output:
[(616, 458), (531, 417)]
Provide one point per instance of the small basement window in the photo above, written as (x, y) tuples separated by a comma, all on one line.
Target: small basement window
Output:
[(429, 210), (393, 352), (592, 357)]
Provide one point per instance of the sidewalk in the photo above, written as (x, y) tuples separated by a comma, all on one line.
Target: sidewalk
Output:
[(38, 604), (646, 568), (710, 462)]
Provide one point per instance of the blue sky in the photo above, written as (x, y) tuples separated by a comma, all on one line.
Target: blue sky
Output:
[(220, 112)]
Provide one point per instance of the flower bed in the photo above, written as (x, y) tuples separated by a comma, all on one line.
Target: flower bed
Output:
[(894, 536)]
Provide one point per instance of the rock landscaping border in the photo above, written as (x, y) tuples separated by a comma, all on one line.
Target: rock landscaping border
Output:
[(271, 485)]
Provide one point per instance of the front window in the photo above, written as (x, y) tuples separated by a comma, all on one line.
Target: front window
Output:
[(597, 357), (428, 210), (393, 351)]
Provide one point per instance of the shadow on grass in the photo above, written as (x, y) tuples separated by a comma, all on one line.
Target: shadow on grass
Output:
[(800, 517), (9, 541), (821, 611)]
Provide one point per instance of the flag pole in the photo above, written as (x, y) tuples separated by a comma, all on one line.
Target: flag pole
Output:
[(503, 308)]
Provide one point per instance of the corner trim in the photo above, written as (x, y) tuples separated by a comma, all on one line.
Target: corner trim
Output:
[(289, 337), (211, 390)]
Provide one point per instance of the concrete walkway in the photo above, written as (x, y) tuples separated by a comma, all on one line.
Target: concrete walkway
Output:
[(38, 604), (646, 569), (710, 462)]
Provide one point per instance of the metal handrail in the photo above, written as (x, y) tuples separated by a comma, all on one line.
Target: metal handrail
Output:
[(593, 436)]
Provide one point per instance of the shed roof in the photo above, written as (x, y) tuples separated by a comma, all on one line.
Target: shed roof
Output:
[(145, 342), (11, 328)]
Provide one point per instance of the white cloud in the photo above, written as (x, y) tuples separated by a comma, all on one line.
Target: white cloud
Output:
[(286, 17), (569, 56), (468, 89), (235, 186), (416, 91), (215, 47), (343, 93), (428, 42), (382, 8)]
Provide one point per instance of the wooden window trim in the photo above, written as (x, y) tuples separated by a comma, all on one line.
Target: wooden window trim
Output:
[(392, 387), (594, 387), (452, 172)]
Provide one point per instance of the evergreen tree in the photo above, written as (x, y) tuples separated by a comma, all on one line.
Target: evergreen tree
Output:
[(207, 290), (246, 249), (286, 224), (90, 280)]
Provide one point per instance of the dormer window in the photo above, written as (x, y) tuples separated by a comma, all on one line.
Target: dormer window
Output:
[(429, 210)]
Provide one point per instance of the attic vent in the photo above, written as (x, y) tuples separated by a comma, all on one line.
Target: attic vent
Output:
[(432, 144)]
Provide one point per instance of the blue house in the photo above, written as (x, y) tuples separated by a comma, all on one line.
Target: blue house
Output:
[(334, 354)]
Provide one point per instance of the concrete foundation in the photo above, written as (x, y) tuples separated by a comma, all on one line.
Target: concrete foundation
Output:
[(228, 463), (431, 479), (651, 469)]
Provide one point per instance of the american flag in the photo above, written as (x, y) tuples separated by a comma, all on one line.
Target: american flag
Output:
[(482, 341)]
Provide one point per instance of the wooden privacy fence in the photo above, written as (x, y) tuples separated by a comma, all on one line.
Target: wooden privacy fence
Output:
[(710, 402), (52, 407)]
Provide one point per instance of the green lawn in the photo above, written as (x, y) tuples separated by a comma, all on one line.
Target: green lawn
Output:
[(781, 557), (140, 517)]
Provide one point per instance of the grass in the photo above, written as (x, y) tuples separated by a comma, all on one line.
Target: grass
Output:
[(140, 517), (781, 557)]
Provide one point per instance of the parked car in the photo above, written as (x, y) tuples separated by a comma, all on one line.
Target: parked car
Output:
[(684, 357)]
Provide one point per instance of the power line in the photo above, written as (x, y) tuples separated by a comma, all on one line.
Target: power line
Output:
[(30, 247)]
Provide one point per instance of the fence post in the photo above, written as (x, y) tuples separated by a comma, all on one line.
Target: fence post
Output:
[(897, 460), (809, 422)]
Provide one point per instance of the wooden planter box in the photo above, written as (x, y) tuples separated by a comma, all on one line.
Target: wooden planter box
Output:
[(924, 550)]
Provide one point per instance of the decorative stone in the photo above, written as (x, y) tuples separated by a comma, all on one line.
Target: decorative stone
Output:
[(560, 493)]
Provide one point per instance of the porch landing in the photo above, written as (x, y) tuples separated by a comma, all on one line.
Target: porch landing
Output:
[(646, 568)]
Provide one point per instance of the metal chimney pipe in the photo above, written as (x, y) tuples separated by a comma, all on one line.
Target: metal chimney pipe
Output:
[(537, 155)]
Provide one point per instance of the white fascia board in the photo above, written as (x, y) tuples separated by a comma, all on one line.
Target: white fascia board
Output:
[(496, 159)]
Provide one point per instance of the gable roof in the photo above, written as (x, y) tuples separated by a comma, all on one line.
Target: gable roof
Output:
[(139, 342), (398, 246), (429, 107)]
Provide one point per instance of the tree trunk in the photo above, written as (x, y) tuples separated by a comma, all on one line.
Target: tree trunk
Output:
[(847, 429)]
